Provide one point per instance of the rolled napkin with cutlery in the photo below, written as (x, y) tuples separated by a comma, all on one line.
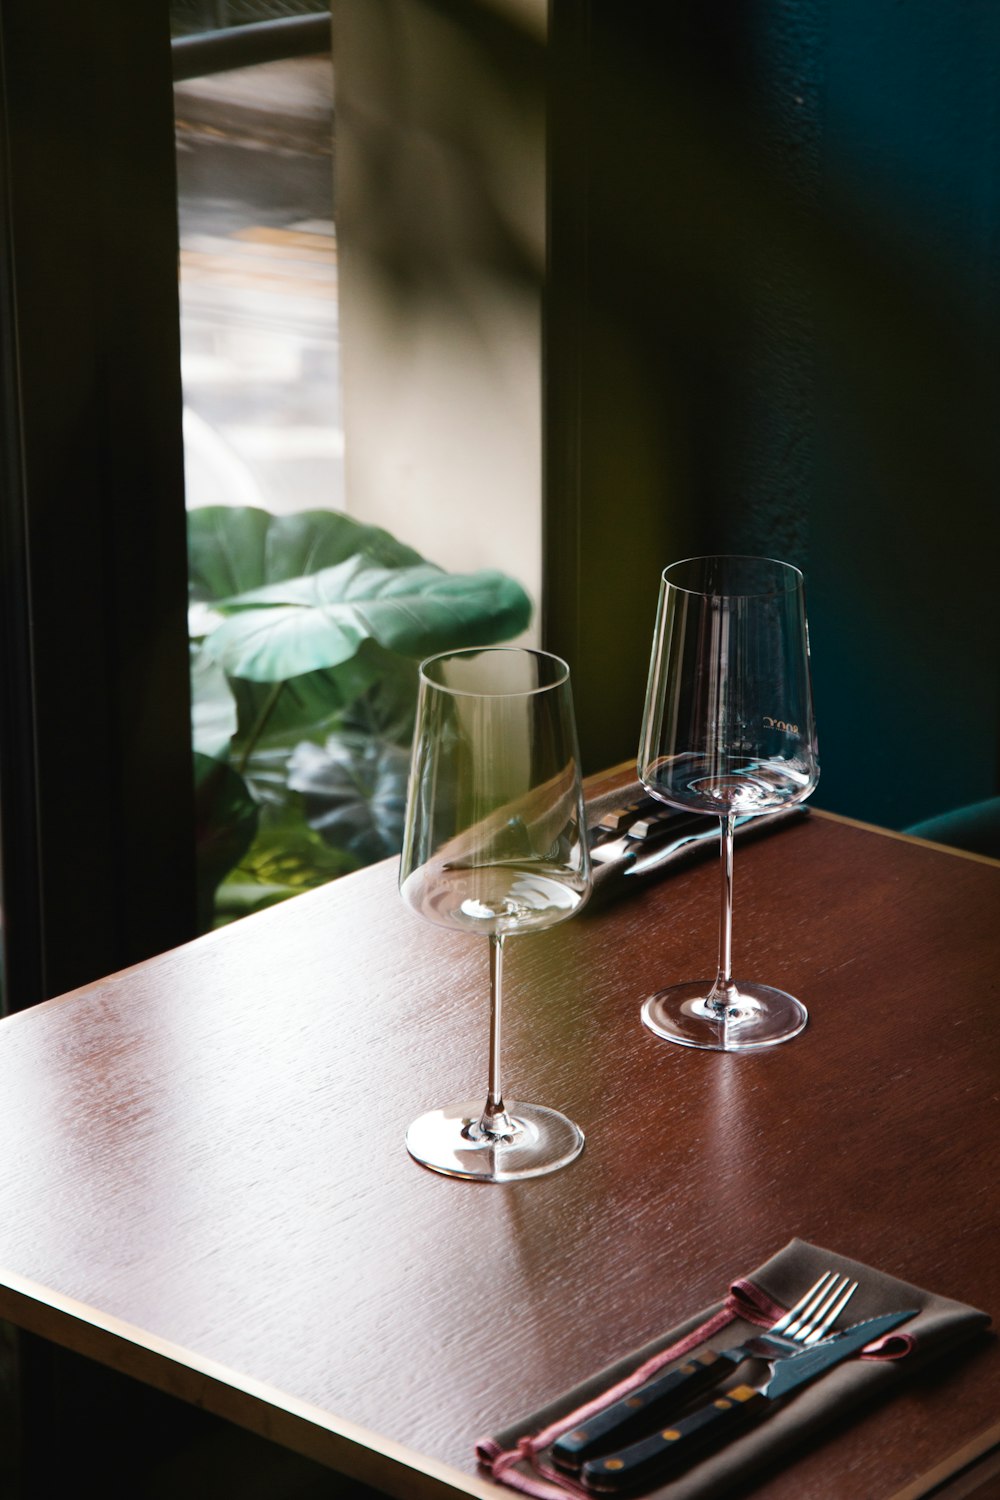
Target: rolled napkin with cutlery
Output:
[(712, 1421), (634, 838)]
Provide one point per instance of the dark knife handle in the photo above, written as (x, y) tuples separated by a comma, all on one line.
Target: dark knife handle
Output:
[(633, 1414), (674, 1447)]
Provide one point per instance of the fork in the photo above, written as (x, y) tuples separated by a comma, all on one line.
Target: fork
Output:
[(804, 1325)]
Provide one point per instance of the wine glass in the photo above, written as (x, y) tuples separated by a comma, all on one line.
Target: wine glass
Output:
[(728, 729), (495, 844)]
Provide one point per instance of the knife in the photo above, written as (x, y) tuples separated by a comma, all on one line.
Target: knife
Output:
[(673, 1447), (636, 1414)]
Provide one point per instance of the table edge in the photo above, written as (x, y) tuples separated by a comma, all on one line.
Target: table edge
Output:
[(962, 1460), (907, 838), (338, 1442)]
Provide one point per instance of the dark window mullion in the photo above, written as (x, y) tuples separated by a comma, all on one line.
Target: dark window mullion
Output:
[(94, 291), (22, 939)]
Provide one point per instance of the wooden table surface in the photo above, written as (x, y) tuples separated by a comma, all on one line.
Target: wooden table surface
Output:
[(204, 1182)]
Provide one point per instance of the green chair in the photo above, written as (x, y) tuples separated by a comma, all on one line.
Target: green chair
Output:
[(975, 827)]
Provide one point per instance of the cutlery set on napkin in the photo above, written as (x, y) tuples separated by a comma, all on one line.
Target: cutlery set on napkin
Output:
[(649, 1454), (693, 1413)]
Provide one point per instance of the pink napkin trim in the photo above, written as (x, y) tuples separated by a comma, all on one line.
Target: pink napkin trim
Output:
[(745, 1300)]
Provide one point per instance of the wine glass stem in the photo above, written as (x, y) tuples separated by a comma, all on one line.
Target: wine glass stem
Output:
[(722, 988), (495, 1121)]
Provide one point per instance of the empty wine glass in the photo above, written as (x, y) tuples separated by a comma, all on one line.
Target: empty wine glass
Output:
[(728, 729), (495, 844)]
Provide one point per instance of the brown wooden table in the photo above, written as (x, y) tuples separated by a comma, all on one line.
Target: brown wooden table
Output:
[(204, 1184)]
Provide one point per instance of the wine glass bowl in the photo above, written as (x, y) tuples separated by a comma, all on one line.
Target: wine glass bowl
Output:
[(494, 844), (728, 730)]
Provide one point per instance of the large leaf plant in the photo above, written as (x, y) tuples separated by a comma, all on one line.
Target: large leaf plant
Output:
[(306, 631)]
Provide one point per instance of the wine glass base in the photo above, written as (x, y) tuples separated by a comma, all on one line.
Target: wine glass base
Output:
[(445, 1140), (756, 1016)]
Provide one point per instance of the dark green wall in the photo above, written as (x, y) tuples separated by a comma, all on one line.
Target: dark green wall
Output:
[(774, 326), (906, 497)]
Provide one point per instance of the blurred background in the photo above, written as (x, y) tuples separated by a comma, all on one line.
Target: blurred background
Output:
[(538, 294), (610, 285)]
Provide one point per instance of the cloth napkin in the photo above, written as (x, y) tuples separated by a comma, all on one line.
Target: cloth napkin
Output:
[(517, 1456), (615, 877)]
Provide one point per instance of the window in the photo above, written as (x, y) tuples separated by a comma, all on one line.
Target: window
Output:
[(302, 720)]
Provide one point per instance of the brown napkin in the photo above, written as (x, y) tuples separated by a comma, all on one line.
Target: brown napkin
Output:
[(940, 1327), (695, 838)]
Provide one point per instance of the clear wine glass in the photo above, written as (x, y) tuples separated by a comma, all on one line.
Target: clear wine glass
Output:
[(495, 844), (728, 729)]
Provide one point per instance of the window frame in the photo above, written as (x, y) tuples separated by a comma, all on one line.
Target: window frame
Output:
[(96, 786)]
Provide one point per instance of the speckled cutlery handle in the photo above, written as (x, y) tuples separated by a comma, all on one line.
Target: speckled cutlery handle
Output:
[(674, 1447), (633, 1414)]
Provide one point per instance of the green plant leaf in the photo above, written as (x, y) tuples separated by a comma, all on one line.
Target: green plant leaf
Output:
[(226, 824), (374, 694), (309, 706), (354, 791), (286, 858), (235, 548), (214, 718), (266, 774), (387, 708), (306, 624), (310, 627), (238, 898)]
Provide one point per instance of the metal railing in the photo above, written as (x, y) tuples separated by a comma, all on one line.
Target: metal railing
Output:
[(245, 46), (215, 15)]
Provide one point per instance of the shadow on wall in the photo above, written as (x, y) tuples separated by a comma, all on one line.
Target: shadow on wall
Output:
[(441, 224), (772, 325)]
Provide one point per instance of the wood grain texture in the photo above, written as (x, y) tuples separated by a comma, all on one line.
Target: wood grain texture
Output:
[(205, 1183)]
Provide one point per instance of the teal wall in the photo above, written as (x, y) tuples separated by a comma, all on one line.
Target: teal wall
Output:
[(781, 335), (903, 519)]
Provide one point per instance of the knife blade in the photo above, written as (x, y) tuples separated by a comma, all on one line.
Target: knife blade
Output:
[(672, 1448)]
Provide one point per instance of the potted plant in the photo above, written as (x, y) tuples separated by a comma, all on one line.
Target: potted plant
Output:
[(306, 631)]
